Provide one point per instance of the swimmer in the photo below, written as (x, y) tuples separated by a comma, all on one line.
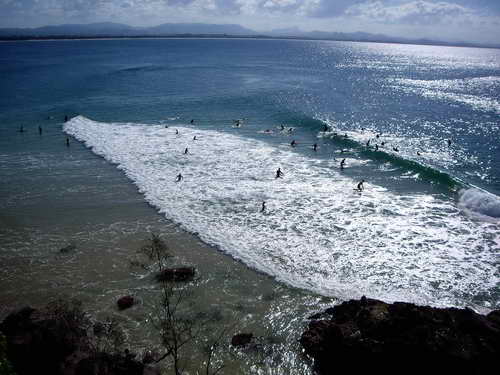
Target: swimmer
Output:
[(263, 207), (178, 178), (186, 151), (315, 147), (342, 164), (293, 143), (360, 186), (279, 173)]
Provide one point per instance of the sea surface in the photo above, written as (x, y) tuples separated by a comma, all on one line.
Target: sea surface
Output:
[(419, 124)]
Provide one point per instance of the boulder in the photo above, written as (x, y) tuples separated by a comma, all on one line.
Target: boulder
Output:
[(125, 302), (241, 339), (371, 335), (177, 274)]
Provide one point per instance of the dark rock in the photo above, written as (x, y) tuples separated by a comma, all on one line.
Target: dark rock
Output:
[(368, 335), (125, 302), (67, 249), (241, 339), (57, 341), (177, 274)]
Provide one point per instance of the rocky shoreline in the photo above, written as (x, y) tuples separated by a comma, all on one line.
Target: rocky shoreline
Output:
[(356, 336), (369, 335)]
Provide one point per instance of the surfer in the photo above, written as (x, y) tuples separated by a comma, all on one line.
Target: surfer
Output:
[(346, 136), (293, 144), (176, 132), (378, 136), (21, 129), (315, 147), (342, 164), (282, 127), (325, 128), (395, 149), (67, 142), (263, 206), (368, 143), (383, 144), (178, 178), (360, 186), (376, 147), (418, 153), (40, 130), (66, 118), (279, 173), (186, 151), (194, 138), (192, 121), (449, 142), (166, 126)]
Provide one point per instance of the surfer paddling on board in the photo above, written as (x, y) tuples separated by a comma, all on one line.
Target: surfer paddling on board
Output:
[(279, 173), (360, 186)]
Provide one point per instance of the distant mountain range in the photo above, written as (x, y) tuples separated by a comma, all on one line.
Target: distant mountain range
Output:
[(117, 30)]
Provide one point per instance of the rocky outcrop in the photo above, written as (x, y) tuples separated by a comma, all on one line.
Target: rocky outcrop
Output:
[(371, 335), (58, 341), (177, 274), (241, 339)]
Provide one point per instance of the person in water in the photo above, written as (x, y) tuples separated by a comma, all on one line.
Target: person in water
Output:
[(40, 130), (178, 178), (293, 144), (192, 121), (342, 164), (263, 206), (368, 143), (194, 138), (449, 142), (186, 151), (418, 153), (315, 147), (395, 149), (67, 142), (279, 173), (282, 127), (66, 118), (360, 185), (376, 147), (325, 128), (176, 132), (21, 129)]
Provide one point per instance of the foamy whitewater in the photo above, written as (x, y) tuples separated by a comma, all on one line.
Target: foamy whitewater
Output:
[(317, 232)]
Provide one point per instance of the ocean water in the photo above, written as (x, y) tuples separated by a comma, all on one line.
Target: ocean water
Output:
[(426, 228)]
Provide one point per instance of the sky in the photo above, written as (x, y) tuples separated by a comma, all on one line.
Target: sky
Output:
[(450, 20)]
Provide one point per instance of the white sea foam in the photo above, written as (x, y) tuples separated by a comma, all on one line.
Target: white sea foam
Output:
[(480, 203), (317, 232)]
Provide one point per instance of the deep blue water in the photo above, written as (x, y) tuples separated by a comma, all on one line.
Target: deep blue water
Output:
[(415, 98)]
